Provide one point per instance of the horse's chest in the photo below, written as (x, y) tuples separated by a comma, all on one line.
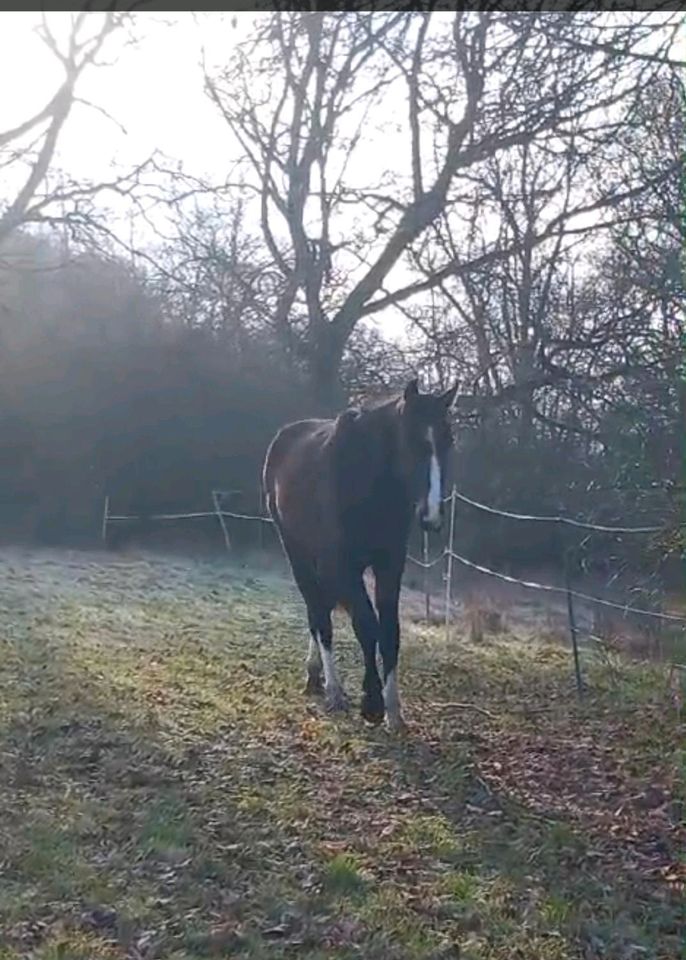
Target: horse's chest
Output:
[(379, 518)]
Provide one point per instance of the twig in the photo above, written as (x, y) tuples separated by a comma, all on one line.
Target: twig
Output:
[(456, 705)]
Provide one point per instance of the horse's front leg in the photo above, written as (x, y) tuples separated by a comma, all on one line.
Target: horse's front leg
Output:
[(387, 601), (366, 628)]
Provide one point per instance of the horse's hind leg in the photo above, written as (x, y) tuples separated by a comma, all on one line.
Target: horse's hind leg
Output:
[(320, 656), (306, 580), (320, 652), (314, 685), (336, 697)]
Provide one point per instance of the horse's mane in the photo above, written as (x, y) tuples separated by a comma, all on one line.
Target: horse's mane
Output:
[(370, 414), (387, 399)]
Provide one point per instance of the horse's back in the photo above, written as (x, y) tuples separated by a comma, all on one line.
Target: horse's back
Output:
[(296, 480), (294, 446)]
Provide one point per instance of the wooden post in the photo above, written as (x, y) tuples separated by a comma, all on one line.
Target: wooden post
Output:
[(220, 517), (449, 567), (573, 630), (105, 516), (425, 559)]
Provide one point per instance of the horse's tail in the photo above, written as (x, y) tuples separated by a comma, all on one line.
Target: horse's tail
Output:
[(269, 481)]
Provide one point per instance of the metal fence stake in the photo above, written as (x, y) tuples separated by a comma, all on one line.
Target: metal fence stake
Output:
[(449, 567), (572, 629), (220, 517), (105, 516), (427, 592)]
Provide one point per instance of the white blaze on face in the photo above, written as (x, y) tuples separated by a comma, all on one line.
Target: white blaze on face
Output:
[(433, 499)]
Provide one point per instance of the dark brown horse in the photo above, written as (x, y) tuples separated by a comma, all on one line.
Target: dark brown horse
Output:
[(342, 494)]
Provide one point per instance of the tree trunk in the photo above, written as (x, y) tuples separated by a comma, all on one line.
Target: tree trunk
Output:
[(324, 370)]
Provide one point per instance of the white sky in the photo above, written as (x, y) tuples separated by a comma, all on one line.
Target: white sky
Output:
[(155, 90)]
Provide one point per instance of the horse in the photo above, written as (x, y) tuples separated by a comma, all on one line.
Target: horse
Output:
[(342, 494)]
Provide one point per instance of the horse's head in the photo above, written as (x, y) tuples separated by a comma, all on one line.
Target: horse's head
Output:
[(428, 443)]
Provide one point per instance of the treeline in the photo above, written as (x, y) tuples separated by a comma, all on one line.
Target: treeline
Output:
[(521, 234), (109, 388), (102, 394)]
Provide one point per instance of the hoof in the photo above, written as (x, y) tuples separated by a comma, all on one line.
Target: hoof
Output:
[(372, 709), (337, 701), (374, 718), (314, 686)]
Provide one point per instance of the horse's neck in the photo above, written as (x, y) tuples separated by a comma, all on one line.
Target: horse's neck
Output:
[(386, 469)]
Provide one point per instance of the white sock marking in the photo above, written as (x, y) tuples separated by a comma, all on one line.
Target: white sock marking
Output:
[(314, 660), (331, 681), (392, 698)]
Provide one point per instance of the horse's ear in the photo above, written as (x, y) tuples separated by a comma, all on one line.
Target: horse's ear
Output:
[(448, 397), (412, 389)]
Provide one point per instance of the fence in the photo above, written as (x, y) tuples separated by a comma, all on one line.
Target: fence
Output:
[(217, 512), (448, 557)]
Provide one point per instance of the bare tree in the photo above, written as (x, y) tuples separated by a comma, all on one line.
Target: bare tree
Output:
[(570, 348), (475, 85), (27, 151)]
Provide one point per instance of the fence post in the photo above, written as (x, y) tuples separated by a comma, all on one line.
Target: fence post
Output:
[(105, 516), (220, 517), (449, 567), (572, 628), (260, 526), (425, 560)]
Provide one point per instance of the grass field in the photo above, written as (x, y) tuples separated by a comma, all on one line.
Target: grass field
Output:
[(166, 791)]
